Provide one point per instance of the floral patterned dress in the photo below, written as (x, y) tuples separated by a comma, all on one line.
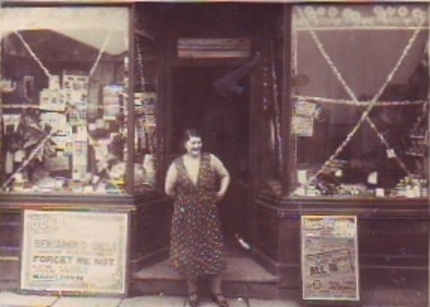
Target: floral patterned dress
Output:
[(196, 240)]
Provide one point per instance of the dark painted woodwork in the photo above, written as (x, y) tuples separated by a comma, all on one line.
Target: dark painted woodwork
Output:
[(393, 242), (149, 234), (10, 248), (393, 234), (286, 107), (10, 224), (232, 289), (130, 120)]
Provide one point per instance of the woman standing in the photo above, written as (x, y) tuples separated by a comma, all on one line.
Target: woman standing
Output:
[(196, 241)]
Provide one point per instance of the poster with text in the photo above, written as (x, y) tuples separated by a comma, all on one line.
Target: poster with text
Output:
[(71, 251), (329, 258)]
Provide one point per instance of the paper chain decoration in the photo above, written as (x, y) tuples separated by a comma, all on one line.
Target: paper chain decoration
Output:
[(150, 130), (139, 56), (359, 103), (378, 17), (48, 74), (32, 155), (46, 70), (276, 99), (370, 104)]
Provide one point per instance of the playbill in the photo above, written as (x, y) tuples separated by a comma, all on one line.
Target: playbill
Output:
[(69, 251), (329, 258)]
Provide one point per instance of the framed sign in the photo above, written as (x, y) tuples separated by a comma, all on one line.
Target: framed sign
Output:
[(329, 258), (84, 252), (205, 48)]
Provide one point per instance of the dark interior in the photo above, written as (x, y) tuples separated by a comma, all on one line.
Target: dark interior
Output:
[(223, 121)]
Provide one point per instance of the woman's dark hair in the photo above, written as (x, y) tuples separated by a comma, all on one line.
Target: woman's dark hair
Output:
[(188, 134)]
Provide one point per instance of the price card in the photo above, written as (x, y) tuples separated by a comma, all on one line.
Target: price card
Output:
[(391, 153)]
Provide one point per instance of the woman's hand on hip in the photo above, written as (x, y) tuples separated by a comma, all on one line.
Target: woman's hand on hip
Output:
[(219, 195)]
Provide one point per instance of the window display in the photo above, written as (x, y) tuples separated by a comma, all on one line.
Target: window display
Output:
[(64, 99), (145, 107), (360, 100)]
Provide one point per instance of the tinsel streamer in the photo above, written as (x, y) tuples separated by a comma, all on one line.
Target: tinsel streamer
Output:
[(99, 55), (43, 67), (19, 106), (365, 114), (359, 103), (46, 71), (277, 116), (32, 106), (294, 137), (351, 28), (149, 130), (33, 55), (427, 50), (140, 65), (331, 18), (29, 159)]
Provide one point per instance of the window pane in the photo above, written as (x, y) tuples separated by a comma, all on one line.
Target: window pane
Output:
[(63, 98), (145, 116), (360, 88)]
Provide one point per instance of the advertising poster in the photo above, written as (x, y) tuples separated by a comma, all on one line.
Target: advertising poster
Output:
[(303, 126), (82, 252), (329, 258)]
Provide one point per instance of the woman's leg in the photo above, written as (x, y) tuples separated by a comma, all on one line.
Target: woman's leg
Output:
[(216, 284), (192, 285), (193, 299), (216, 290)]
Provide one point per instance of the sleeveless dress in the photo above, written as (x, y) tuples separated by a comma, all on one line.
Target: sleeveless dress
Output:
[(196, 246)]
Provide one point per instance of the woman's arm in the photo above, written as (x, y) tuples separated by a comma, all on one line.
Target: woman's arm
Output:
[(224, 175), (169, 185)]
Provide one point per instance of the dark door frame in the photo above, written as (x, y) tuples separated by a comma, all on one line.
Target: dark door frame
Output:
[(168, 119)]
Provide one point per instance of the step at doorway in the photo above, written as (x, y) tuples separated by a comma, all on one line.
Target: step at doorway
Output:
[(243, 277)]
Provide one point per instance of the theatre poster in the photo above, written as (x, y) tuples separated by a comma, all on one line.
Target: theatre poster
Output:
[(76, 252), (329, 258)]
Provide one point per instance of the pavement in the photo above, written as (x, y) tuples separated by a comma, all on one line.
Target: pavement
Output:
[(11, 299)]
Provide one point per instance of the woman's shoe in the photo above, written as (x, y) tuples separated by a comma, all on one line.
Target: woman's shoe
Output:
[(219, 299), (193, 299)]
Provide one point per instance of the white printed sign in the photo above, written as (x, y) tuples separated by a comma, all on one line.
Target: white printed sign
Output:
[(329, 258), (71, 251)]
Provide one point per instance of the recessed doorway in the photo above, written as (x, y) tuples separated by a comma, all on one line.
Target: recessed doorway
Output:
[(222, 117)]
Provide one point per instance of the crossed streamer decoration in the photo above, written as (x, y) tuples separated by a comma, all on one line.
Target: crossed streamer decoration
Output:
[(33, 55), (32, 155), (359, 103), (46, 70), (277, 111), (140, 65), (370, 105), (48, 74)]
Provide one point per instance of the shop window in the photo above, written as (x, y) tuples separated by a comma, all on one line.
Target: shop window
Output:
[(145, 104), (64, 102), (360, 98)]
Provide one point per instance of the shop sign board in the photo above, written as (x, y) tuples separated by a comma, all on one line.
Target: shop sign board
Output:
[(206, 48), (68, 251), (329, 258)]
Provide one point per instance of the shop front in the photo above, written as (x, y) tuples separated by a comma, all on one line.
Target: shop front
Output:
[(319, 111)]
